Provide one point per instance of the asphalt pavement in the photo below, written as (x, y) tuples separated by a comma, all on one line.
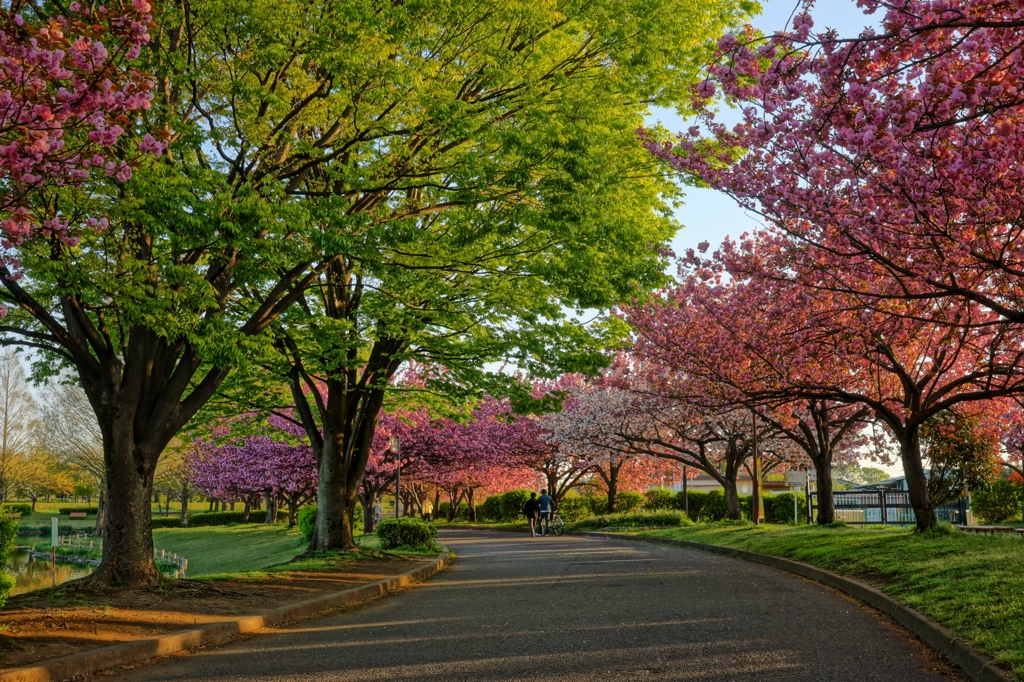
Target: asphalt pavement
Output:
[(514, 608)]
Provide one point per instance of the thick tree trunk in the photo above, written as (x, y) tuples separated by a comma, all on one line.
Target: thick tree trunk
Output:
[(128, 540), (246, 511), (472, 508), (335, 498), (367, 499), (826, 505), (732, 499), (917, 482), (613, 489)]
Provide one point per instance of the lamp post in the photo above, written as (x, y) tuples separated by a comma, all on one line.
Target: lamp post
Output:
[(396, 450), (686, 497), (757, 510)]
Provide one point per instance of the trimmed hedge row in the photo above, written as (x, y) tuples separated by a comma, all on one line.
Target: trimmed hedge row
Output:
[(647, 519), (64, 511), (206, 519), (15, 508), (710, 506), (405, 532)]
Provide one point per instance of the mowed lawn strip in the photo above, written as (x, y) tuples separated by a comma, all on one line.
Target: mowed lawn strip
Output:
[(231, 549), (972, 584)]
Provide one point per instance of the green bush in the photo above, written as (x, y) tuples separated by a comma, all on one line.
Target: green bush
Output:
[(490, 509), (628, 502), (573, 508), (597, 504), (67, 510), (697, 499), (998, 502), (168, 521), (462, 513), (306, 519), (15, 508), (657, 499), (512, 504), (8, 535), (405, 532), (778, 508), (642, 520), (206, 519), (714, 507)]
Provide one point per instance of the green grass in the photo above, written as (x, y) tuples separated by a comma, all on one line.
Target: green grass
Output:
[(231, 549), (972, 584)]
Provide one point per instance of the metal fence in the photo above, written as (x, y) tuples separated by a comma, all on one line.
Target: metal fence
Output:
[(885, 507)]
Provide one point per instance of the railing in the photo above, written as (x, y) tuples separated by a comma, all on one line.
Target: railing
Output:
[(72, 542), (883, 507)]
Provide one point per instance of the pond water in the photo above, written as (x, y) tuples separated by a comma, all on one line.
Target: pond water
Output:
[(34, 574)]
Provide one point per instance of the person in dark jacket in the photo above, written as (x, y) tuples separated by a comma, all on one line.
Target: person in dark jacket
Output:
[(531, 510)]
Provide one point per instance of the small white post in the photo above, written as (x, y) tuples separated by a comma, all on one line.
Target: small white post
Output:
[(54, 535)]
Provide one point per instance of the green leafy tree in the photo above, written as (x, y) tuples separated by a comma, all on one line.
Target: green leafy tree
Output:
[(962, 454), (310, 145)]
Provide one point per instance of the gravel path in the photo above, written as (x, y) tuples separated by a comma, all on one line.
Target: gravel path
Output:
[(518, 608)]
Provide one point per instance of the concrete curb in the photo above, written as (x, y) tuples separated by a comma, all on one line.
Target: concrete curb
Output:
[(143, 649), (979, 667)]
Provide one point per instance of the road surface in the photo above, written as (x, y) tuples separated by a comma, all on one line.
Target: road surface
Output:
[(517, 608)]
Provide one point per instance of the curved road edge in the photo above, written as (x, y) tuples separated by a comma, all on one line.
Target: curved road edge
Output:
[(140, 650), (978, 666)]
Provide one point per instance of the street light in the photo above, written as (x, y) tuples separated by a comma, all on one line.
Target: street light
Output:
[(396, 450)]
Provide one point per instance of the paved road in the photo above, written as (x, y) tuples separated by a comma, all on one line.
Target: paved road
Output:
[(517, 608)]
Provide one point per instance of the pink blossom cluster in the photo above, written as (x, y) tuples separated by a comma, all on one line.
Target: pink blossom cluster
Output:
[(64, 98)]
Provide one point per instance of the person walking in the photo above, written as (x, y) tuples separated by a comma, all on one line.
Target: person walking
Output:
[(376, 513), (547, 508), (428, 509), (531, 510)]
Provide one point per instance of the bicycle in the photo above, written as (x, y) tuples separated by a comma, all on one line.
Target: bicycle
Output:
[(555, 524)]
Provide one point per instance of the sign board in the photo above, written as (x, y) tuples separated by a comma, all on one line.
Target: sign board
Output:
[(795, 479), (812, 475)]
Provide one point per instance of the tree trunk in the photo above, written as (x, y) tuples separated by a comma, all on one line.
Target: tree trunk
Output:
[(128, 540), (472, 509), (101, 513), (732, 499), (826, 505), (367, 499), (271, 501), (245, 512), (613, 489), (184, 505), (335, 497), (293, 509), (917, 482)]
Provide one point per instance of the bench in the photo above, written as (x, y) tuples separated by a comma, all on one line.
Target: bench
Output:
[(78, 515), (993, 530)]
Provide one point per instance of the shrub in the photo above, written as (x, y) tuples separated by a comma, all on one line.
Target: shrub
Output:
[(8, 535), (714, 507), (206, 519), (627, 502), (67, 510), (998, 502), (490, 509), (697, 498), (462, 513), (597, 504), (405, 532), (778, 508), (663, 518), (168, 521), (657, 499), (306, 519), (512, 504), (573, 508), (15, 508)]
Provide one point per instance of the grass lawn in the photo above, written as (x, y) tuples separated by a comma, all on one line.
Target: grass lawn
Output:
[(231, 549), (972, 584)]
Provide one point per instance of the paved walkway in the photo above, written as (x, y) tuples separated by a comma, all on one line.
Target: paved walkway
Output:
[(517, 608)]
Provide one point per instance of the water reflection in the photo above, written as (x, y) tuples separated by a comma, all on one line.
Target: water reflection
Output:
[(34, 574)]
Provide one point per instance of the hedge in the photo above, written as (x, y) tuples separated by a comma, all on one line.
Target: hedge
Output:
[(306, 519), (573, 508), (15, 508), (658, 499), (501, 508), (627, 502), (88, 510), (778, 508), (663, 518), (405, 532), (205, 519)]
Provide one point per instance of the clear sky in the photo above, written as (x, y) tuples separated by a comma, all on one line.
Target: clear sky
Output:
[(708, 214)]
